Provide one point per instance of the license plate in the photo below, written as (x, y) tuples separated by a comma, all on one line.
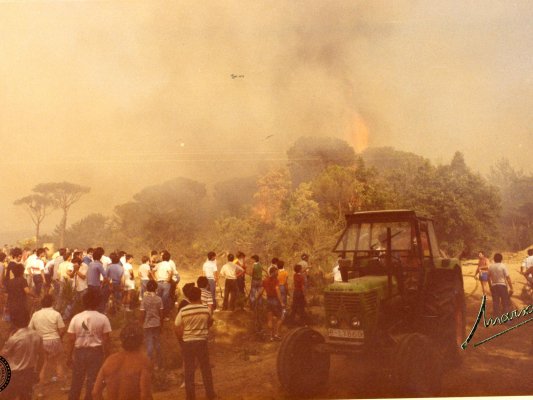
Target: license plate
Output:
[(346, 333)]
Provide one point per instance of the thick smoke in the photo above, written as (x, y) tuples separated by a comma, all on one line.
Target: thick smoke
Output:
[(118, 95)]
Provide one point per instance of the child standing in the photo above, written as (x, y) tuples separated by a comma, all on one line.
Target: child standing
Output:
[(152, 319), (283, 279), (274, 306)]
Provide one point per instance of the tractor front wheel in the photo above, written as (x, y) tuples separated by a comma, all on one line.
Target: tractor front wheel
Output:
[(302, 370), (416, 366)]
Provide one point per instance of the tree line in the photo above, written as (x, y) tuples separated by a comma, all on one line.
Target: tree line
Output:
[(300, 206)]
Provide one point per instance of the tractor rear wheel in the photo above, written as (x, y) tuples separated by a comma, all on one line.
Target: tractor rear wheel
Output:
[(302, 370), (445, 307), (416, 366)]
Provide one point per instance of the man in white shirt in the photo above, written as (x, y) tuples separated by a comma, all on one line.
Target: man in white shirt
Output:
[(174, 282), (28, 263), (106, 289), (129, 280), (58, 259), (230, 271), (499, 279), (144, 274), (163, 276), (37, 270), (211, 273), (87, 345), (48, 323), (527, 267), (80, 279), (105, 260), (64, 274)]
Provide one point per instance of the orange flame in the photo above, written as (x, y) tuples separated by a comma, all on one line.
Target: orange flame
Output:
[(358, 133)]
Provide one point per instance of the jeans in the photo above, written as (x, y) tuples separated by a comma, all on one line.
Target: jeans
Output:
[(254, 290), (230, 292), (86, 364), (163, 291), (144, 282), (117, 294), (500, 300), (105, 292), (104, 296), (152, 340), (241, 283), (172, 293), (38, 283), (192, 351), (213, 289), (78, 301)]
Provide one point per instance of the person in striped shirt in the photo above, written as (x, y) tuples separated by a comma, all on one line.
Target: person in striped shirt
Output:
[(207, 298), (192, 326)]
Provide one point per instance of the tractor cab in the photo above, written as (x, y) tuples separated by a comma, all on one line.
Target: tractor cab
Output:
[(397, 244)]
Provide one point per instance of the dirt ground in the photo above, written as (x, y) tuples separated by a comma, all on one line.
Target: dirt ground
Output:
[(245, 367)]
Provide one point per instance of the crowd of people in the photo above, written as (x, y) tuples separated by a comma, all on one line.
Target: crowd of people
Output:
[(58, 306)]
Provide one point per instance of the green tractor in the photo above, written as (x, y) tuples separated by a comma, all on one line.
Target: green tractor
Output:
[(400, 304)]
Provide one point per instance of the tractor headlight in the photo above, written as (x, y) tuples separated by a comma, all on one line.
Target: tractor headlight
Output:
[(355, 322), (333, 320)]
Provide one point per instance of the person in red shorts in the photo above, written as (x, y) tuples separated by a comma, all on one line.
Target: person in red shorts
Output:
[(274, 304)]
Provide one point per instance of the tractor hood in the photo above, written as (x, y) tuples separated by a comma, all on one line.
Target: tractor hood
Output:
[(365, 284)]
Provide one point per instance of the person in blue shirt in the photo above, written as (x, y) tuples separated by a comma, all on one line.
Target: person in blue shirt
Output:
[(96, 271), (96, 276), (115, 273), (89, 256)]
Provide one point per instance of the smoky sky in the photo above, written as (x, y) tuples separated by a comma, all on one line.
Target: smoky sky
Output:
[(118, 95)]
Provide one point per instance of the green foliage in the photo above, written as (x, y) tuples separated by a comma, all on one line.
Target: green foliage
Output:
[(387, 158), (168, 215), (516, 190), (343, 190), (465, 208), (89, 231), (272, 190), (287, 211), (309, 156)]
